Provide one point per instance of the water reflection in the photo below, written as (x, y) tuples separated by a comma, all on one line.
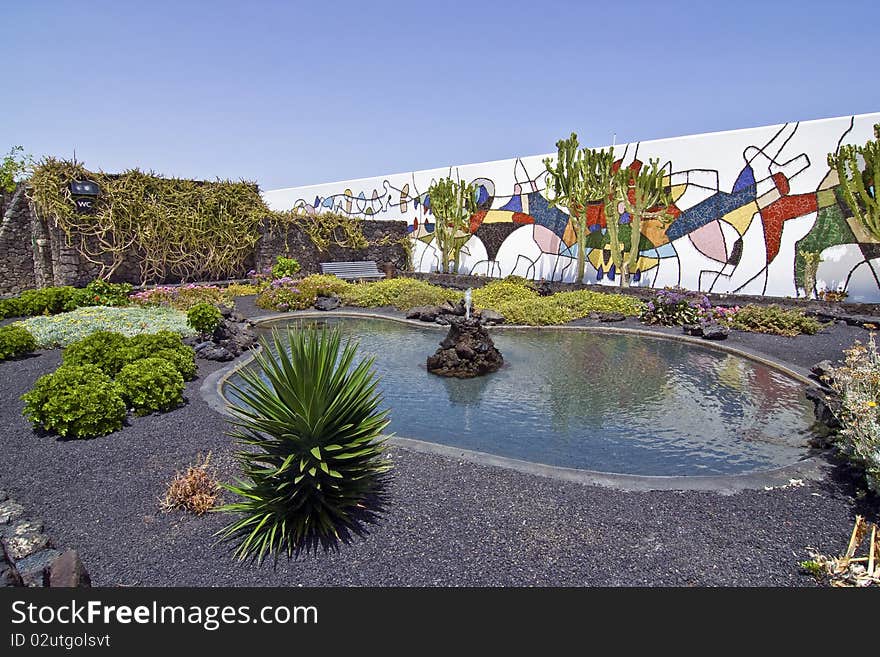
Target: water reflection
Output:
[(598, 401)]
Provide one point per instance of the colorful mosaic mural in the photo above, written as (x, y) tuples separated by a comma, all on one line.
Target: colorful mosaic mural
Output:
[(747, 204)]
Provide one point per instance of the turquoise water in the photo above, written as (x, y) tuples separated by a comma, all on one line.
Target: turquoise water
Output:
[(595, 401)]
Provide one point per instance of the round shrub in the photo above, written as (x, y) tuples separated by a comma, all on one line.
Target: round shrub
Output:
[(285, 267), (324, 285), (151, 384), (149, 342), (284, 294), (15, 341), (77, 401), (107, 350), (204, 318), (183, 359), (167, 345), (402, 293), (102, 293), (774, 320)]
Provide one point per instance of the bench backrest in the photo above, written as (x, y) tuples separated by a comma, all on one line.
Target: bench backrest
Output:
[(355, 269)]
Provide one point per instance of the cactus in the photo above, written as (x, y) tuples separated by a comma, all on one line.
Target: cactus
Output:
[(645, 195), (859, 185), (579, 178), (452, 202), (811, 268)]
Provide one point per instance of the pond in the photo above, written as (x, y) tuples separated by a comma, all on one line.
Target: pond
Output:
[(601, 401)]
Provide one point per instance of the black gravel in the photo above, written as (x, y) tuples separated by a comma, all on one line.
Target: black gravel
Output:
[(448, 522)]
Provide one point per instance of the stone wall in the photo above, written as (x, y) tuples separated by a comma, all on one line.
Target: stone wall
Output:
[(384, 238), (16, 243), (35, 253)]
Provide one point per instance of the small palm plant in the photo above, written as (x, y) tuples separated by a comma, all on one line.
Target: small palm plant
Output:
[(311, 422)]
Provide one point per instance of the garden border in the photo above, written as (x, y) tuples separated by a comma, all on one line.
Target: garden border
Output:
[(811, 467)]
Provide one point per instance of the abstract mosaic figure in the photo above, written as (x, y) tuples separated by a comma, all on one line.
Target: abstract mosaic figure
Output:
[(744, 205)]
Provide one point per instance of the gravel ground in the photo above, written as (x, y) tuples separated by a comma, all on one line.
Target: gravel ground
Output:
[(449, 522)]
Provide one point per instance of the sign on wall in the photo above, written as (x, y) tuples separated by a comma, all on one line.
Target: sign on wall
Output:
[(85, 194)]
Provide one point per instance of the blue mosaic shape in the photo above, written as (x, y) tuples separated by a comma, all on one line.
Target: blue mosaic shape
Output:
[(710, 209), (482, 195), (553, 219), (514, 204), (745, 179)]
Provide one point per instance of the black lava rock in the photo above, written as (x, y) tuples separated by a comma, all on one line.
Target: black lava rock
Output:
[(823, 407), (491, 317), (233, 337), (327, 303), (466, 351), (710, 331), (715, 331)]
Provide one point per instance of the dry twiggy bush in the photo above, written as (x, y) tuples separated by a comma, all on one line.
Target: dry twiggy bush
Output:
[(195, 490)]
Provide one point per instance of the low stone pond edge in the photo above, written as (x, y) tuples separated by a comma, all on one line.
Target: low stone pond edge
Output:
[(811, 468)]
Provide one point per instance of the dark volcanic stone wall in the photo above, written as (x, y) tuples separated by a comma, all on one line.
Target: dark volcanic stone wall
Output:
[(17, 247), (295, 243)]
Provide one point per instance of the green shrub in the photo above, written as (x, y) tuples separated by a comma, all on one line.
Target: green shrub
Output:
[(282, 295), (204, 318), (503, 292), (857, 384), (184, 359), (402, 293), (167, 345), (540, 312), (242, 289), (106, 350), (9, 308), (519, 280), (313, 461), (75, 401), (147, 343), (775, 320), (43, 301), (15, 341), (102, 293), (285, 267), (521, 304), (65, 328), (150, 384), (58, 299), (323, 285), (581, 303)]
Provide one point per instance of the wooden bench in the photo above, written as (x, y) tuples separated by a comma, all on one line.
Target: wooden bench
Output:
[(353, 271)]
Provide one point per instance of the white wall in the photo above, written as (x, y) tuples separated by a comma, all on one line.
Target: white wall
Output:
[(788, 206)]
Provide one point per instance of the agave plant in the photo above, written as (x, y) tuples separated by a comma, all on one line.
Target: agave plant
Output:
[(313, 431)]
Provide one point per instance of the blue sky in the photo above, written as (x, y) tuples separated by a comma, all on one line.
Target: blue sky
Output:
[(289, 93)]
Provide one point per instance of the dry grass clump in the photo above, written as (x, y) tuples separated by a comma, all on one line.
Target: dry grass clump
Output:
[(195, 490)]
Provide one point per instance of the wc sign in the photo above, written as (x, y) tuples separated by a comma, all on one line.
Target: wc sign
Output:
[(85, 193)]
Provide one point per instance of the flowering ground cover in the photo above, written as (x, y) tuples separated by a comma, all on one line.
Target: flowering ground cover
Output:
[(60, 330)]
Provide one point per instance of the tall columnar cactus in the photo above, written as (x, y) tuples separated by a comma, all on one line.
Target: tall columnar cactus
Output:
[(452, 202), (645, 195), (859, 184), (812, 259), (579, 178)]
